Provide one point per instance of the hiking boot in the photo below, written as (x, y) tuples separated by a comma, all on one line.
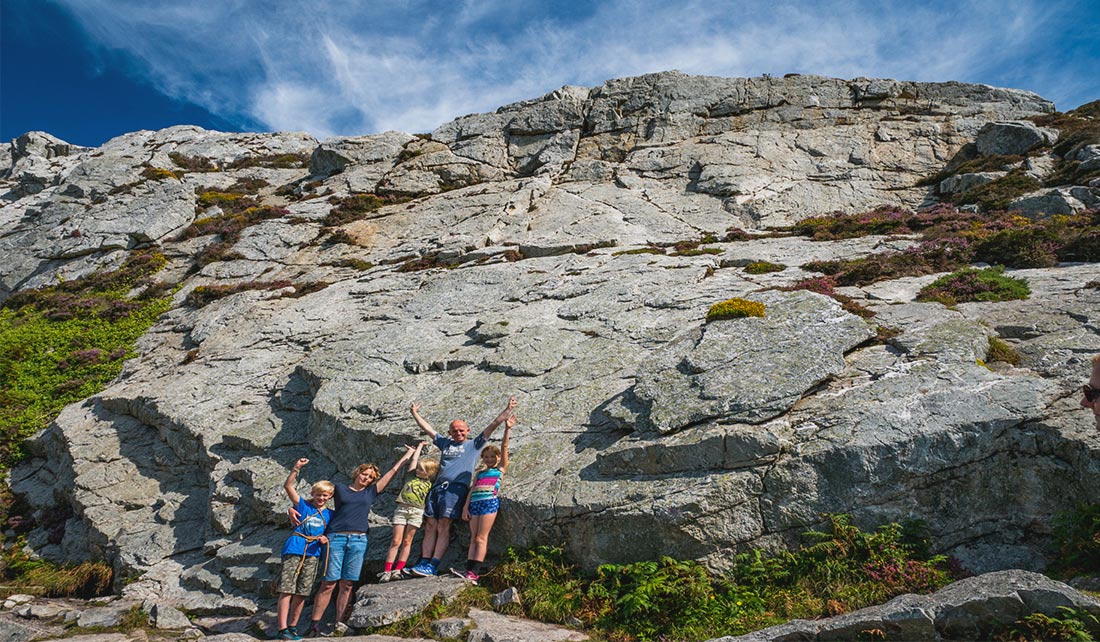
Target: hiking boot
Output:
[(288, 634), (424, 569), (385, 576)]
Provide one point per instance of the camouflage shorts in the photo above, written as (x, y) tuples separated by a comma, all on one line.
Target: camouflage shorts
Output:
[(296, 582)]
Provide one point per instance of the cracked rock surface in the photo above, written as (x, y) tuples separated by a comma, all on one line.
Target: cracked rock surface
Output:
[(513, 253)]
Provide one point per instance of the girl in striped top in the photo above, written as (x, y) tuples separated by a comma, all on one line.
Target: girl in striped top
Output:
[(483, 502)]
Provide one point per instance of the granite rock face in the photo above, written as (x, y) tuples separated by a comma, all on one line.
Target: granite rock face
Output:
[(512, 253)]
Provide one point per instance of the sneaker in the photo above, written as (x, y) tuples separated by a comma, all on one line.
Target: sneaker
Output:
[(469, 576), (385, 576), (313, 631), (424, 569), (288, 634), (405, 573), (294, 630)]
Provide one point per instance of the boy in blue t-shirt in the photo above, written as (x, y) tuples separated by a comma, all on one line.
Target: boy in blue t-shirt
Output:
[(302, 550)]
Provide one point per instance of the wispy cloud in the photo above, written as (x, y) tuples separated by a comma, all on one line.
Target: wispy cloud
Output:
[(352, 68)]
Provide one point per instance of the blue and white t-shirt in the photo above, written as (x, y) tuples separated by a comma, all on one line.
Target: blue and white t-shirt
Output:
[(313, 524), (457, 459)]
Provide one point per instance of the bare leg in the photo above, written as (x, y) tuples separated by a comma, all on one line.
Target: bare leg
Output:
[(296, 604), (398, 536), (320, 602), (442, 537), (406, 544), (283, 609), (427, 547), (479, 539), (343, 596)]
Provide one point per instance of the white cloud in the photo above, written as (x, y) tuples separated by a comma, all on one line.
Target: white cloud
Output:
[(355, 68)]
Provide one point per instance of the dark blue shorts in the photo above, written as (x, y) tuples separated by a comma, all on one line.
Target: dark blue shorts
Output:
[(485, 506), (445, 500)]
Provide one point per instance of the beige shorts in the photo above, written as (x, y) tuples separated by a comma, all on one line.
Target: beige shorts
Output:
[(410, 515), (296, 582)]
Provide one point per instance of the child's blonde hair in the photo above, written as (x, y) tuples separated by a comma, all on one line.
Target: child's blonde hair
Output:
[(430, 466), (323, 486), (495, 450)]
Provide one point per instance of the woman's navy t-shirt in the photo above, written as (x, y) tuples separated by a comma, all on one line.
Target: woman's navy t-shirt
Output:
[(352, 509)]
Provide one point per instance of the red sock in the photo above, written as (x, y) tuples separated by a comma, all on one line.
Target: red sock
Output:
[(389, 567), (400, 565)]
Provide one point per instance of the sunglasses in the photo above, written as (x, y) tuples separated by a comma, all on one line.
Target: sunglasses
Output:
[(1091, 394)]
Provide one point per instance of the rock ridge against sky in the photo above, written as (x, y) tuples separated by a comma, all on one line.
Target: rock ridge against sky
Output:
[(88, 70), (532, 250)]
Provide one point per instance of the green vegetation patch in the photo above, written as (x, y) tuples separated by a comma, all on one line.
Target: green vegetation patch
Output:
[(839, 570), (1076, 538), (66, 342), (764, 267), (640, 250), (271, 161), (192, 163), (1000, 192), (951, 239), (736, 308), (999, 350), (1070, 625), (989, 284), (354, 207)]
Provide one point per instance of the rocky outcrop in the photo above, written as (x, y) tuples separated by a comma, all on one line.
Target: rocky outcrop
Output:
[(512, 253), (973, 609)]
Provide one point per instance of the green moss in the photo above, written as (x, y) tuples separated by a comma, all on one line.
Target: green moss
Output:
[(764, 267), (158, 174), (736, 308), (999, 350)]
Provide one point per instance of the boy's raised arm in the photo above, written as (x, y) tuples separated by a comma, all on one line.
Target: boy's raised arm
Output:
[(420, 421), (384, 480), (288, 485), (500, 418)]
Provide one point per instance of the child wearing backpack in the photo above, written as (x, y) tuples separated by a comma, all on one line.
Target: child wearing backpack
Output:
[(302, 551), (409, 513)]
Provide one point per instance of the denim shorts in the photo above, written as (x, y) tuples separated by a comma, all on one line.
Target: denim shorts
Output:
[(445, 501), (345, 556)]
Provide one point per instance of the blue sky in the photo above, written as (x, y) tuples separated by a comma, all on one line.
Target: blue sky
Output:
[(88, 70)]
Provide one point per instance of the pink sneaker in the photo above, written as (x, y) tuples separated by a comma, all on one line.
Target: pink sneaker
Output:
[(469, 576)]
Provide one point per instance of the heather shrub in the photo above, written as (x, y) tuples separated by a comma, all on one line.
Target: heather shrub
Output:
[(352, 208), (1070, 625), (736, 308), (204, 295), (970, 284), (66, 342), (999, 193), (1028, 247)]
